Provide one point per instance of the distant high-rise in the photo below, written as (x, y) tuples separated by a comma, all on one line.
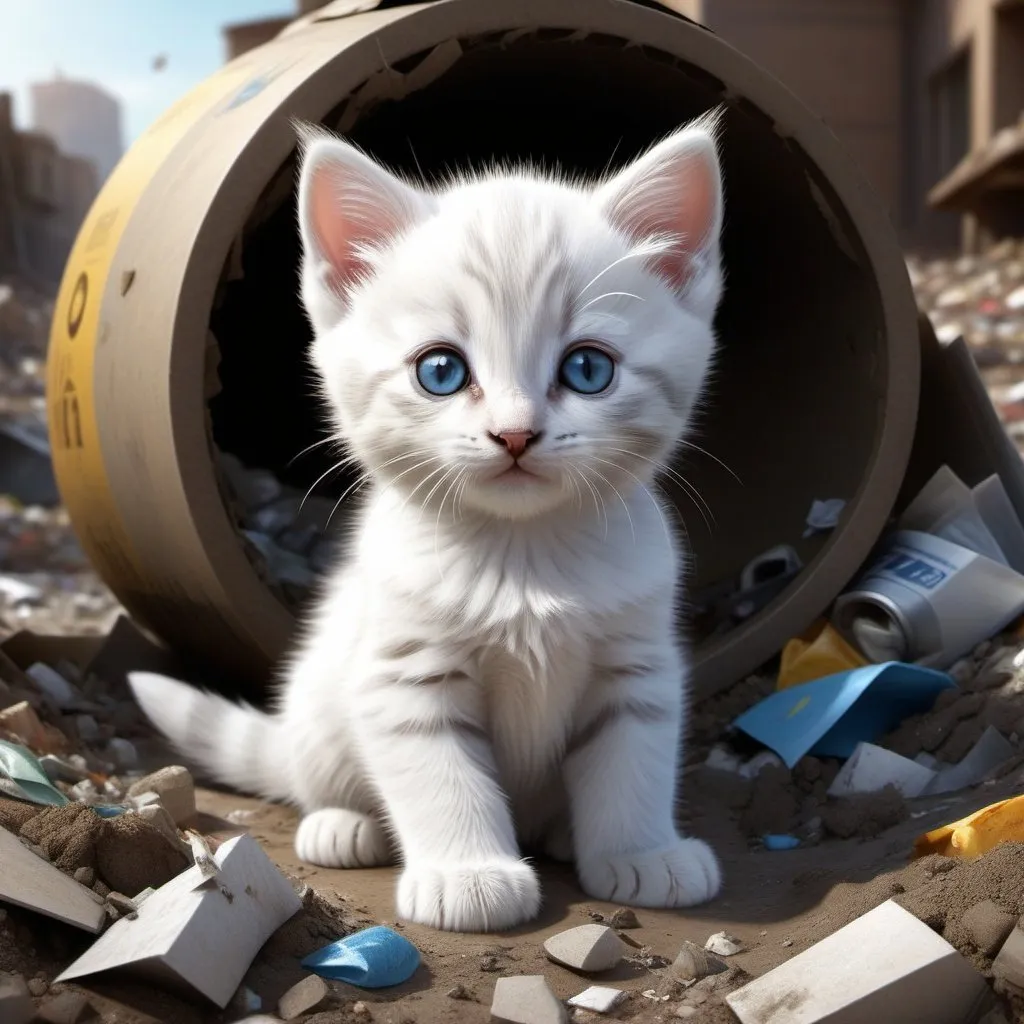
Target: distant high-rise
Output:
[(82, 119)]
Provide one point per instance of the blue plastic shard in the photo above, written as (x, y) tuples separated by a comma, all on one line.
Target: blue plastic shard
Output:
[(109, 810), (372, 958), (780, 842), (830, 716)]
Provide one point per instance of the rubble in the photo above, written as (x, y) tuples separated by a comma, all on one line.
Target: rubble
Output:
[(526, 999), (175, 790), (29, 881), (589, 947), (1008, 966), (885, 960), (987, 926), (251, 900), (723, 944), (598, 999), (16, 1006), (303, 997), (979, 298)]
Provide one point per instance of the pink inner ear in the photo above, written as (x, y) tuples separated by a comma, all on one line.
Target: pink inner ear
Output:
[(345, 215), (680, 200)]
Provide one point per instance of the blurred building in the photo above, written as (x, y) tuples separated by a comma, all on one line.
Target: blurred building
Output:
[(44, 197), (82, 119), (927, 95)]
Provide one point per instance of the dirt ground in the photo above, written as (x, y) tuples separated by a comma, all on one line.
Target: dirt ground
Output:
[(776, 903)]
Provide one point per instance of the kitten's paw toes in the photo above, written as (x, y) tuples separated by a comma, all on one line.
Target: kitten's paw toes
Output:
[(335, 837), (469, 896), (679, 875)]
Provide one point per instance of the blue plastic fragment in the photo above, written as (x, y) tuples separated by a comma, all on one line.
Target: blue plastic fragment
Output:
[(372, 958), (831, 715), (109, 810), (775, 842)]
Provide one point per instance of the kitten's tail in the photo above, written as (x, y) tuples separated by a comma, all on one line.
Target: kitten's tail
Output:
[(235, 743)]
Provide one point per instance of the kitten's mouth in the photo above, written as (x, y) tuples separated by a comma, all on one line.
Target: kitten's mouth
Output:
[(517, 474)]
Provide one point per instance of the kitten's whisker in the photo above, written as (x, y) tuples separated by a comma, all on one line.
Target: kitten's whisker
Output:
[(694, 495), (641, 251), (316, 444), (437, 522), (654, 501), (348, 490), (715, 458), (334, 469), (622, 500), (599, 503), (429, 476), (608, 295)]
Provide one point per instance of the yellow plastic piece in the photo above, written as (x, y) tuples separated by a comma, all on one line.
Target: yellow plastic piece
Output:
[(820, 652), (976, 834)]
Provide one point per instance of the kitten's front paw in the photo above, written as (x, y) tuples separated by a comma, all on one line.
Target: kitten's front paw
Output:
[(469, 896), (335, 837), (678, 875)]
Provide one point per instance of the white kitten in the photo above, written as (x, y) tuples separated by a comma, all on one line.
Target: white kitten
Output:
[(510, 359)]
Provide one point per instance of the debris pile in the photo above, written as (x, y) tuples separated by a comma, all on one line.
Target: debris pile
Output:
[(24, 333), (981, 298), (46, 583), (285, 533)]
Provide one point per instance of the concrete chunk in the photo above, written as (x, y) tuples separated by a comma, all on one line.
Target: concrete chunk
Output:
[(723, 944), (526, 999), (598, 998), (874, 969), (171, 934), (67, 1008), (988, 926), (1009, 964), (176, 790), (589, 947), (303, 997), (16, 1006)]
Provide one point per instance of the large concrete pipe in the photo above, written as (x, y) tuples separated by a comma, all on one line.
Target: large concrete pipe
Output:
[(179, 334)]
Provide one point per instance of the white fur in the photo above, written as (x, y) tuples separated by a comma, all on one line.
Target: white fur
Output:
[(494, 661)]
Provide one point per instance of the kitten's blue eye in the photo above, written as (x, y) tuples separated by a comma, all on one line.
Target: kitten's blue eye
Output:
[(442, 371), (586, 370)]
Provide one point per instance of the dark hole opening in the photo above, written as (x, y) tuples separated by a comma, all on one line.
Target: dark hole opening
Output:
[(800, 326)]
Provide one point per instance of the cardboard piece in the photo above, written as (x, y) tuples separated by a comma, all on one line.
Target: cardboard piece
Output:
[(201, 937), (872, 768), (27, 880), (831, 716), (885, 966), (991, 750)]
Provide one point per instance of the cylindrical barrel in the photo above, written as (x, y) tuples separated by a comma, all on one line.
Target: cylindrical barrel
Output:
[(178, 347)]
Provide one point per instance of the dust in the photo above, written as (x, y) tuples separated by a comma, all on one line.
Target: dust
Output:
[(127, 853), (942, 899), (67, 835), (277, 967), (864, 815), (132, 855), (14, 814)]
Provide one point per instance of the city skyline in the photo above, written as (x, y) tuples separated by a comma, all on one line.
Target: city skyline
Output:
[(119, 46)]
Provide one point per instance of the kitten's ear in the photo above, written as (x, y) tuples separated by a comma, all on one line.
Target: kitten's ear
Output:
[(349, 209), (674, 191)]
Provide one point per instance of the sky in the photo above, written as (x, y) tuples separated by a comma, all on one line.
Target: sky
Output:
[(113, 43)]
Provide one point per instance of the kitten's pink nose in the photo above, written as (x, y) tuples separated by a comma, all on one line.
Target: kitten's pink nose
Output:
[(516, 441)]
